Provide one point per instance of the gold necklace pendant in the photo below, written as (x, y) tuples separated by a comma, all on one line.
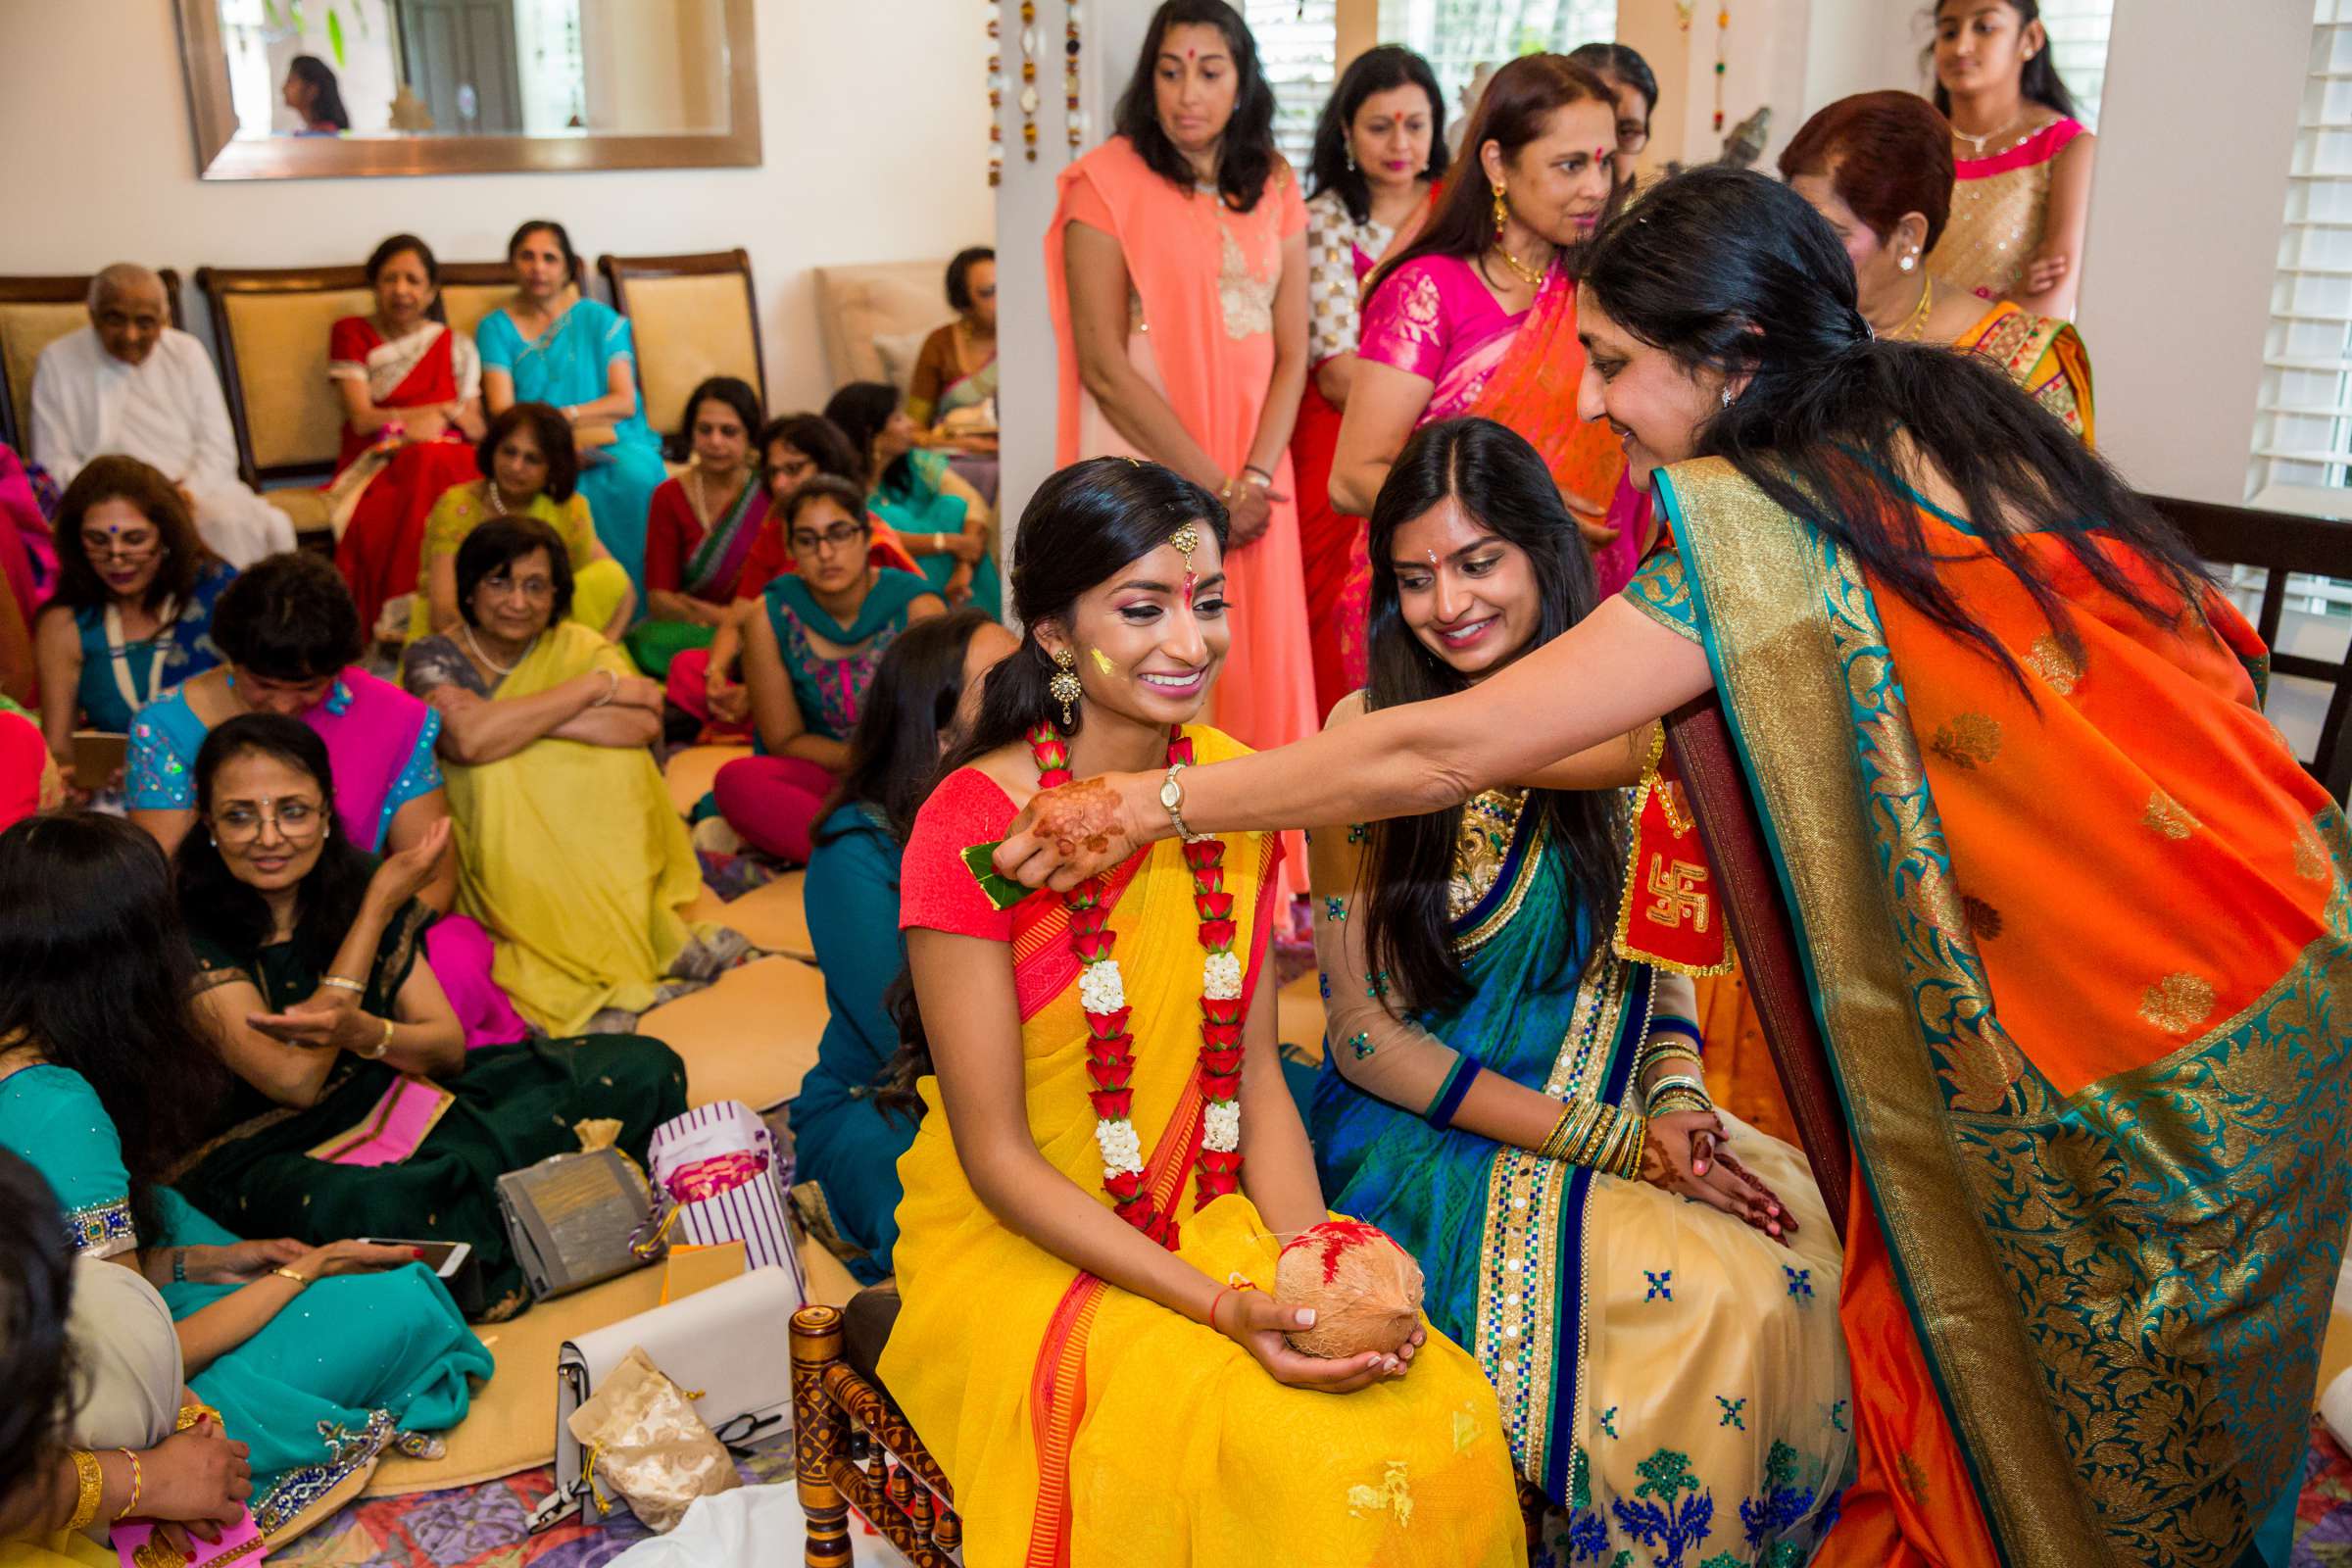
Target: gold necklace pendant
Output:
[(1529, 276), (1916, 327)]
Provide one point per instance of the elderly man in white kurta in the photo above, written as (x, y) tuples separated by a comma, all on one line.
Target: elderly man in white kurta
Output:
[(133, 383)]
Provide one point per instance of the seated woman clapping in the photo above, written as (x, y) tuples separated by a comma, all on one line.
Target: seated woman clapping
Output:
[(365, 1114), (95, 1422), (318, 1356), (529, 468), (569, 849), (846, 1145), (1486, 1049)]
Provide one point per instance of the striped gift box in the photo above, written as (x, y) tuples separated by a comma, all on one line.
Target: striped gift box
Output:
[(721, 1165)]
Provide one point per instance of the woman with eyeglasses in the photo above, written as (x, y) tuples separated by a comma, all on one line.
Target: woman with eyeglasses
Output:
[(569, 849), (133, 611), (808, 657), (308, 969), (1636, 85)]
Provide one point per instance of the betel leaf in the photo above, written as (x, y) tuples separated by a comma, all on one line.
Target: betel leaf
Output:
[(1002, 891), (334, 37)]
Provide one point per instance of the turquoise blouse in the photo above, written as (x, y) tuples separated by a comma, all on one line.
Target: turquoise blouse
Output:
[(351, 1366)]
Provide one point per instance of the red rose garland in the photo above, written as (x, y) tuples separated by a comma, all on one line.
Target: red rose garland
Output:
[(1111, 1048)]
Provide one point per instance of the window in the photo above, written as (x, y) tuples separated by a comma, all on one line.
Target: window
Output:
[(1297, 41), (2078, 30), (1456, 36)]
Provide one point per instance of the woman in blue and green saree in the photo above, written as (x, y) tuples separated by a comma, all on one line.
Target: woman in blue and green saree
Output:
[(2074, 922), (1476, 1002), (320, 1357)]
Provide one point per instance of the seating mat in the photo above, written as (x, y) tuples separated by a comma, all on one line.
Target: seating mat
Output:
[(690, 770), (750, 1037), (772, 916)]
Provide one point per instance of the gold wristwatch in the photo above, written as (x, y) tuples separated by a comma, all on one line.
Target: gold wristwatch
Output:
[(1171, 796)]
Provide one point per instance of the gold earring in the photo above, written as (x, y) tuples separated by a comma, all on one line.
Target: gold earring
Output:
[(1063, 688), (1502, 213)]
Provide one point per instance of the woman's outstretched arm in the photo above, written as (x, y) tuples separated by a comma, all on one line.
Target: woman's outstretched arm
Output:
[(1613, 672)]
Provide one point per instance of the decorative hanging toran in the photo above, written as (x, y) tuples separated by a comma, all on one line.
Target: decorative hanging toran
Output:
[(1029, 97), (1070, 76), (996, 93), (1722, 55)]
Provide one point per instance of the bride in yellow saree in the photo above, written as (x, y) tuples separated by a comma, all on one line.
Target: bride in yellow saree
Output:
[(1101, 1392), (2075, 924)]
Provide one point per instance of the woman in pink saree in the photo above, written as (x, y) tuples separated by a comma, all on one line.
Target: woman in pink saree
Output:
[(1176, 266), (1478, 315)]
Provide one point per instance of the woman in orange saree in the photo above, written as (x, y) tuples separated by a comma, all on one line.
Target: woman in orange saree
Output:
[(2077, 927), (1109, 1162), (1478, 315)]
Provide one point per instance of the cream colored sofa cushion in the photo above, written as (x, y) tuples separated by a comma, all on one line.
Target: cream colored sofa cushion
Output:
[(858, 304)]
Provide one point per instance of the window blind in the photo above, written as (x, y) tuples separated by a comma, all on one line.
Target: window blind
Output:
[(1297, 44), (2078, 30), (1456, 36)]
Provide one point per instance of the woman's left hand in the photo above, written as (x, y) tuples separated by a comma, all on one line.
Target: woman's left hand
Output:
[(404, 873), (1683, 1154), (332, 1025), (1066, 835), (239, 1263), (957, 590)]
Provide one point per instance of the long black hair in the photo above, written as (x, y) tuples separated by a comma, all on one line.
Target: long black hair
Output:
[(1080, 528), (326, 107), (1246, 155), (1375, 70), (36, 1362), (100, 978), (1502, 486), (860, 410), (907, 707), (1729, 270), (234, 916), (2039, 81)]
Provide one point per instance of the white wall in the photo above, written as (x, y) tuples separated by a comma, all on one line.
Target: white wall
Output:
[(2184, 224), (874, 118)]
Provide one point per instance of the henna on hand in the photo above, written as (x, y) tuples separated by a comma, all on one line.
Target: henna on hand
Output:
[(1086, 811)]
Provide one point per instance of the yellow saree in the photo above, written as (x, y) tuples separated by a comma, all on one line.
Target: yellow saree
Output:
[(573, 856), (1083, 1425)]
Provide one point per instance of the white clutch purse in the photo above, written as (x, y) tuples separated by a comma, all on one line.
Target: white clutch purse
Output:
[(723, 1344)]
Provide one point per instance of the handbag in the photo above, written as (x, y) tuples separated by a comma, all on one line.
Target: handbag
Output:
[(722, 1169), (724, 1341), (576, 1220)]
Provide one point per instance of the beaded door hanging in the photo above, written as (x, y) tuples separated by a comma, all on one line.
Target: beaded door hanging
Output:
[(996, 93), (1029, 95)]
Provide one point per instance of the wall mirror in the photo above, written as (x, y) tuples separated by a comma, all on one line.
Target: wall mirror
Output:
[(306, 89)]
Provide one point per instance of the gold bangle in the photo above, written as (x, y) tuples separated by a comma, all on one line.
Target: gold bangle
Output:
[(93, 1482), (284, 1272), (383, 1045), (190, 1414), (136, 1480)]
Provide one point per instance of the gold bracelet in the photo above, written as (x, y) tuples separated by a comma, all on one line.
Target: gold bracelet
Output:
[(190, 1414), (92, 1481), (133, 1506), (284, 1272), (383, 1045)]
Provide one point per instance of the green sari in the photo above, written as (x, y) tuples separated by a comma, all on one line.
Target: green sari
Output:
[(511, 1106)]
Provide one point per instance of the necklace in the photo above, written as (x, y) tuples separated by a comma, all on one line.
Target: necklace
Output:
[(498, 503), (1978, 142), (1111, 1046), (1910, 330), (1529, 276), (502, 670)]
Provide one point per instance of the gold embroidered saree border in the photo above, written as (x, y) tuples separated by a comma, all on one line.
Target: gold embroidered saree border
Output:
[(1762, 584)]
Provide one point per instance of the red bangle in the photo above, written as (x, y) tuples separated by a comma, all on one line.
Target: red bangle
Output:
[(1223, 1290)]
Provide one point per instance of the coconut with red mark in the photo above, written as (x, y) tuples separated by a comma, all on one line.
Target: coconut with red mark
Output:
[(1364, 1289)]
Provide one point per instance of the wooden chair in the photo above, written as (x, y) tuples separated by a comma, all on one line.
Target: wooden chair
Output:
[(853, 1449), (693, 316), (2280, 543), (271, 326), (35, 313)]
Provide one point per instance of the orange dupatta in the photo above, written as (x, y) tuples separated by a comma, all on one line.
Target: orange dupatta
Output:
[(1534, 391)]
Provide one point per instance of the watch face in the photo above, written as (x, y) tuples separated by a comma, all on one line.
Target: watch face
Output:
[(1171, 795)]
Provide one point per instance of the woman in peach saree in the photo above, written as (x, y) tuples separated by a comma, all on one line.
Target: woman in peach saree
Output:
[(2076, 926), (1108, 1164), (1176, 270)]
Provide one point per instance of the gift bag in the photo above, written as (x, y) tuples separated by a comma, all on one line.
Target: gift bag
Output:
[(720, 1166), (646, 1447)]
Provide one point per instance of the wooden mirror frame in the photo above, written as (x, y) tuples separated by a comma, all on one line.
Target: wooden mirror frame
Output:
[(219, 155)]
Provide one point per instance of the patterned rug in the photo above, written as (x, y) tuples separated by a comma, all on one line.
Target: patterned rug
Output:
[(484, 1527)]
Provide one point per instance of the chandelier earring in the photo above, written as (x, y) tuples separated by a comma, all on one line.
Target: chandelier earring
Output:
[(1063, 688), (1502, 213)]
